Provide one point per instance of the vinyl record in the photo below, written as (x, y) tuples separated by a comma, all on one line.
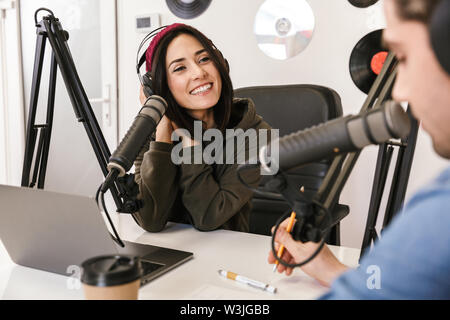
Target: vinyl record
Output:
[(362, 3), (188, 9), (367, 59), (284, 28)]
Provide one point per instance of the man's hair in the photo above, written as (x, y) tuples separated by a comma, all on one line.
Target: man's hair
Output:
[(420, 10), (221, 111)]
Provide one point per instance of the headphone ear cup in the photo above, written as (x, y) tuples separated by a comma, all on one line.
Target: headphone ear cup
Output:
[(439, 33), (147, 85)]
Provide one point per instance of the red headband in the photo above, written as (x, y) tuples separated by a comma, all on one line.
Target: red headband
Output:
[(154, 43)]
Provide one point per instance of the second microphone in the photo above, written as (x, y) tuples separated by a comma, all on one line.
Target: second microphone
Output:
[(347, 134)]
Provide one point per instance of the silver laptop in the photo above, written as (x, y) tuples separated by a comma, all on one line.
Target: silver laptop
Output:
[(52, 231)]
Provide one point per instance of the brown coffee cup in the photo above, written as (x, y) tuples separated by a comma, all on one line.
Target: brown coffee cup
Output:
[(111, 277)]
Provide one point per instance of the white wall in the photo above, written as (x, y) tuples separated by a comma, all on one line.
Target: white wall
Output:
[(11, 96), (229, 23)]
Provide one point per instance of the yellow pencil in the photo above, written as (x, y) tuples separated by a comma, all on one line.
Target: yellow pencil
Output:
[(288, 229)]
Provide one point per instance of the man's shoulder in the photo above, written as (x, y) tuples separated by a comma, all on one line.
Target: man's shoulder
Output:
[(411, 256), (435, 196)]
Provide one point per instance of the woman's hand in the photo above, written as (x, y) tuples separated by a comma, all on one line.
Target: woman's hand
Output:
[(164, 130), (325, 267), (185, 136), (142, 96)]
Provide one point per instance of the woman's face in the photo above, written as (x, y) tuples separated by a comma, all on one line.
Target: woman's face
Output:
[(192, 76)]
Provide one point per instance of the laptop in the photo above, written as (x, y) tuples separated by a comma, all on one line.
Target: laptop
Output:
[(54, 232)]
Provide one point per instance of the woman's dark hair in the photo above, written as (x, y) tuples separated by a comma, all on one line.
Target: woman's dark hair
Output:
[(176, 113), (420, 10)]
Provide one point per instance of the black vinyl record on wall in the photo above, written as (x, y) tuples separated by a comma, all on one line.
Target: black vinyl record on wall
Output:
[(188, 9), (362, 3), (367, 59)]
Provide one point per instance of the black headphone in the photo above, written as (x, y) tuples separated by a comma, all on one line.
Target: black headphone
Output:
[(439, 33), (146, 79)]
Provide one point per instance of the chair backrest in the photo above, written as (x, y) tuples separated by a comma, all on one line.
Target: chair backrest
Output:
[(291, 108)]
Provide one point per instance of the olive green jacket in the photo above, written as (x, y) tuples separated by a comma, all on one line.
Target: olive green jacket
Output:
[(208, 196)]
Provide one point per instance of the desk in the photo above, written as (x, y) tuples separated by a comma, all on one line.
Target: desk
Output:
[(243, 253)]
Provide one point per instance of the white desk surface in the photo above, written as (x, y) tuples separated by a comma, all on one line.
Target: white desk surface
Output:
[(242, 253)]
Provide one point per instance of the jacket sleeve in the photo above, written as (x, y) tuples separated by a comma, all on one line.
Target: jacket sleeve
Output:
[(155, 174), (212, 201)]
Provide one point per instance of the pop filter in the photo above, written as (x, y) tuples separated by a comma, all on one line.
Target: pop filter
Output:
[(188, 9)]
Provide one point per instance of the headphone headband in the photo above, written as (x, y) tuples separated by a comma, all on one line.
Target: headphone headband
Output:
[(140, 61), (439, 32)]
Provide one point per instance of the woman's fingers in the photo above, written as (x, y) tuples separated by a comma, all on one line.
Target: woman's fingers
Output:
[(142, 96), (174, 125), (164, 130)]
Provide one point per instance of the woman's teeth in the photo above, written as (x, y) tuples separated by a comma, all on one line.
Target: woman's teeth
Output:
[(201, 89)]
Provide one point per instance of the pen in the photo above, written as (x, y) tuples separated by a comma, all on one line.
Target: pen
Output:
[(281, 249), (250, 282)]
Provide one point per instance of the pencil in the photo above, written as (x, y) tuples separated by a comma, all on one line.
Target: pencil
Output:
[(288, 229)]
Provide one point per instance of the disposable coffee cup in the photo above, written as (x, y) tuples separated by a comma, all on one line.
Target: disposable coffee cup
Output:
[(111, 277)]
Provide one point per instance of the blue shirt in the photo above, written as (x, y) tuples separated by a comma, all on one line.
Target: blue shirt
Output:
[(411, 260)]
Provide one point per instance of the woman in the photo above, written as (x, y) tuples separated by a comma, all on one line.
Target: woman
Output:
[(192, 76)]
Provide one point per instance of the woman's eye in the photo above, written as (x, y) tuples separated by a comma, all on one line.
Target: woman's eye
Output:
[(204, 59), (177, 69)]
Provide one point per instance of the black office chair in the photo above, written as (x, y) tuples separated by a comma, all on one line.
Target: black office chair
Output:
[(290, 108)]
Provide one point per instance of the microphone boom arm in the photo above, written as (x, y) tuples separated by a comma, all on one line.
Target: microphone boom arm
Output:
[(379, 92), (123, 191), (316, 213)]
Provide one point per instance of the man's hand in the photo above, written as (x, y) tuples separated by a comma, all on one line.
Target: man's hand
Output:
[(325, 267)]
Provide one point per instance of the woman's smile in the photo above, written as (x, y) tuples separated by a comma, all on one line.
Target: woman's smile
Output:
[(202, 90)]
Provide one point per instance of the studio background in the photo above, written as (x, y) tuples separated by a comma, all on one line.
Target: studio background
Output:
[(109, 57)]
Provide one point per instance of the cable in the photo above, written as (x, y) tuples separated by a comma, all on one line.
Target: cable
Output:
[(116, 238), (41, 9), (284, 216)]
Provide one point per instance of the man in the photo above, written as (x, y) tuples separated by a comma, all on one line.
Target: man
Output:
[(412, 259)]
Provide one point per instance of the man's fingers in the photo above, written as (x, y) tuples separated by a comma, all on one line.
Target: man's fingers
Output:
[(285, 238), (271, 257), (282, 237), (283, 225), (286, 257)]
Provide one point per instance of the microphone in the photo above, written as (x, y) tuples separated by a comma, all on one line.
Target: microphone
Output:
[(143, 126), (346, 134)]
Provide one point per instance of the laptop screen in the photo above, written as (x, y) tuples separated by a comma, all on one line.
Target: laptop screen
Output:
[(53, 232)]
